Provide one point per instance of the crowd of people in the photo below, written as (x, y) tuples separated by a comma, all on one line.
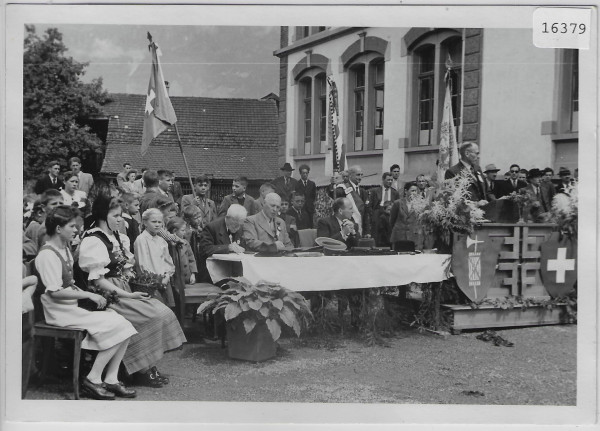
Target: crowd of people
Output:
[(82, 240)]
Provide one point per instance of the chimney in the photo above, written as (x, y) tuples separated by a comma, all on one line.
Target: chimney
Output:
[(167, 85)]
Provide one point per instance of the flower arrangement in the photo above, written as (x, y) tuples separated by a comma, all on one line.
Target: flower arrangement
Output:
[(452, 210), (564, 211), (523, 200), (250, 304), (87, 304), (147, 281)]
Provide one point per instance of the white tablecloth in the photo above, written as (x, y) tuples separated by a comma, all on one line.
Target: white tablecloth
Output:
[(333, 272)]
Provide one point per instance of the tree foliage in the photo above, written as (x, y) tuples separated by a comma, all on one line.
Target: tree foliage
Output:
[(56, 104)]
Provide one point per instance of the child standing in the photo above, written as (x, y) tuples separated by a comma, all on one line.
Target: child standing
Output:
[(384, 229), (152, 253), (177, 226), (131, 210)]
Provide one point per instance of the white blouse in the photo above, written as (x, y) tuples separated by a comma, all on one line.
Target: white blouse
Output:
[(94, 257), (78, 196), (152, 254), (50, 267)]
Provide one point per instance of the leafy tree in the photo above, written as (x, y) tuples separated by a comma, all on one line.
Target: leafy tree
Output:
[(56, 104)]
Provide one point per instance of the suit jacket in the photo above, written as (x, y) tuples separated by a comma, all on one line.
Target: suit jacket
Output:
[(208, 209), (375, 199), (404, 224), (492, 189), (214, 238), (45, 183), (329, 227), (86, 182), (477, 187), (304, 220), (281, 189), (361, 199), (249, 204), (544, 199), (505, 187), (310, 194), (259, 236)]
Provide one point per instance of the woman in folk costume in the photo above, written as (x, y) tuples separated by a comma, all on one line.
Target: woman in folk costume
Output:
[(104, 254), (106, 331)]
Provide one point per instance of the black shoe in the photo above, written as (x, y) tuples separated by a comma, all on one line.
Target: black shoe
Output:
[(499, 341), (161, 377), (487, 336), (120, 390), (96, 391), (149, 379)]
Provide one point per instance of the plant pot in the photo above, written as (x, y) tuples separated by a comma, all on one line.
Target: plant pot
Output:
[(256, 346)]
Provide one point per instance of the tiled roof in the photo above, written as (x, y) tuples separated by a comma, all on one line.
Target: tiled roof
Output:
[(221, 137)]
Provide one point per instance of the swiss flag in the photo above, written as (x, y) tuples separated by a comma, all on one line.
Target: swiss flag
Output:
[(158, 113)]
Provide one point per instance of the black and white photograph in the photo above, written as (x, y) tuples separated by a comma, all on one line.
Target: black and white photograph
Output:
[(232, 217)]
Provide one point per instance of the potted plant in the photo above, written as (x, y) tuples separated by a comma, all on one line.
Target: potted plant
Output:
[(255, 314)]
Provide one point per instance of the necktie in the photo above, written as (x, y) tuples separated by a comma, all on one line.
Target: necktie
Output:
[(385, 197), (514, 184), (286, 181)]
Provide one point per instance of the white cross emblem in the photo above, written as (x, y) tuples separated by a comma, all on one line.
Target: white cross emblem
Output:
[(151, 96), (561, 264)]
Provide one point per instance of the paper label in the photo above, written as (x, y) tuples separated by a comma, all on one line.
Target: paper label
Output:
[(562, 27)]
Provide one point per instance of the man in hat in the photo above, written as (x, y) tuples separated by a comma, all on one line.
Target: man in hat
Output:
[(285, 184), (539, 194), (565, 180), (513, 184), (469, 160), (490, 173), (265, 231)]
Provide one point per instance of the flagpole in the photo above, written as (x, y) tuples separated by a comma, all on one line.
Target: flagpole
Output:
[(187, 168)]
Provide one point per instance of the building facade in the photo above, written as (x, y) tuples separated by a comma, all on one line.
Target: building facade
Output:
[(518, 102)]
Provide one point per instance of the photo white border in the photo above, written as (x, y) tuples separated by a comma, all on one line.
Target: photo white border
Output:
[(271, 415)]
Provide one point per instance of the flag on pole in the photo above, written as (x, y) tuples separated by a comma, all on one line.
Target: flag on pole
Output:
[(448, 155), (338, 155), (159, 113)]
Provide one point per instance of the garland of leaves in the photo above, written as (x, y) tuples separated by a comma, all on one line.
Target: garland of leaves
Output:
[(569, 303)]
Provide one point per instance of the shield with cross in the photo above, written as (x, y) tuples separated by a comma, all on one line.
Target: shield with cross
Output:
[(558, 265), (474, 259)]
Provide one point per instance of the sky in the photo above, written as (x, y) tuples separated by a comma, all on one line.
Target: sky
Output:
[(201, 61)]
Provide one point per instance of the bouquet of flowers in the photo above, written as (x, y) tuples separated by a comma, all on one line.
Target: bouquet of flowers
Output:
[(564, 211), (452, 210), (87, 304), (147, 281)]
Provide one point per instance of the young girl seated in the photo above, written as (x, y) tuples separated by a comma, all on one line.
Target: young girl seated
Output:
[(178, 227), (152, 252), (107, 331)]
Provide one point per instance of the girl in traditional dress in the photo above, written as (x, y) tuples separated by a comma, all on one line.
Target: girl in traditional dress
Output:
[(152, 252), (106, 331), (104, 254)]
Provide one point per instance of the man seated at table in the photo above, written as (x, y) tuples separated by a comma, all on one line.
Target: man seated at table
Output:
[(265, 232), (224, 234), (340, 225)]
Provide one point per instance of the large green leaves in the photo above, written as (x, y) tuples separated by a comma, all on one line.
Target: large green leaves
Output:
[(274, 328), (288, 316), (232, 311), (249, 325)]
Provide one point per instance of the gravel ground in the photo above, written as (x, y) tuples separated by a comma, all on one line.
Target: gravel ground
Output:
[(415, 368)]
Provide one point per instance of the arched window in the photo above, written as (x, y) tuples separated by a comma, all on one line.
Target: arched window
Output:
[(313, 112), (367, 81), (430, 57)]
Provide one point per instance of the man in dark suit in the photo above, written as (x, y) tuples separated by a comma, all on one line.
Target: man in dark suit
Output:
[(380, 196), (352, 190), (49, 180), (469, 161), (298, 211), (308, 189), (513, 184), (153, 191), (264, 231), (285, 184), (340, 225), (238, 196), (565, 180), (223, 235)]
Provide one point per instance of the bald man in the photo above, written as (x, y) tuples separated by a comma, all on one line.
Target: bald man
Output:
[(265, 232)]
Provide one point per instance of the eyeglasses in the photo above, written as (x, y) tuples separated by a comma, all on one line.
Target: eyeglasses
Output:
[(515, 171)]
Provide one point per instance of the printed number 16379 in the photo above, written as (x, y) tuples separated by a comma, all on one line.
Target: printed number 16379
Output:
[(563, 27)]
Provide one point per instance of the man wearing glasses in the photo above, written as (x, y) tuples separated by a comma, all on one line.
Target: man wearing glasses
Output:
[(513, 184)]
